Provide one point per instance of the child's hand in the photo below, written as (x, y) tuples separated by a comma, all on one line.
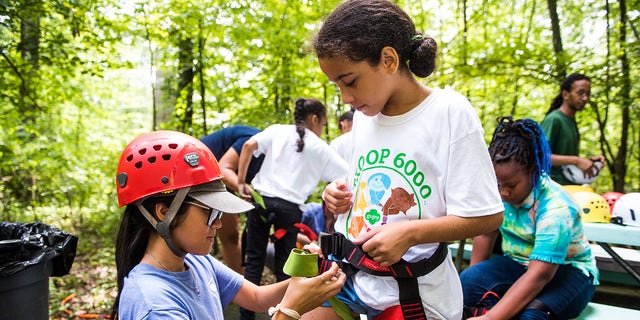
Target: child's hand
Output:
[(385, 244), (483, 317), (337, 196), (244, 191), (303, 239), (313, 247), (305, 294)]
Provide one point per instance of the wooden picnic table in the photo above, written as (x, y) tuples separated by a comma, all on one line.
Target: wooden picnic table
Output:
[(605, 234)]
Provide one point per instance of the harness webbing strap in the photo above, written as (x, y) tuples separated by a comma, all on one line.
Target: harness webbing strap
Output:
[(410, 300), (405, 273), (536, 304), (342, 248)]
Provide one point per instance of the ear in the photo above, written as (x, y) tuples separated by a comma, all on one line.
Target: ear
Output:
[(389, 59), (161, 211), (313, 119)]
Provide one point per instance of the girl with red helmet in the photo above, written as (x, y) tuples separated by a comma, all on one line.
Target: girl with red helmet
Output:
[(171, 185)]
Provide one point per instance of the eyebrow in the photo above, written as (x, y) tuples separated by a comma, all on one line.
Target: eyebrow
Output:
[(340, 77)]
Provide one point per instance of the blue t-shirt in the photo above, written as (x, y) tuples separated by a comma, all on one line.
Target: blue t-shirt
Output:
[(233, 137), (547, 227), (313, 217), (201, 292)]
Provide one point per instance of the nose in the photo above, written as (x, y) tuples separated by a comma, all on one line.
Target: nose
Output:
[(217, 224), (347, 98), (504, 192)]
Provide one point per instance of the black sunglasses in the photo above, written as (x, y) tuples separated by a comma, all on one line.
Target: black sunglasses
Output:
[(214, 214)]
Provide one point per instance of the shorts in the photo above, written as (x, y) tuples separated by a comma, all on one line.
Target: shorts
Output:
[(349, 297)]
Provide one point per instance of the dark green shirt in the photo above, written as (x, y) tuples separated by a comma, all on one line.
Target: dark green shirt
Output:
[(564, 139)]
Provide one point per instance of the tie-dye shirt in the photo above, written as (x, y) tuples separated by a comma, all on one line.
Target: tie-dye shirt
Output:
[(547, 227)]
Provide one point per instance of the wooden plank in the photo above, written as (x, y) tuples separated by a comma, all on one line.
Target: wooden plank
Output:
[(597, 311), (609, 270), (612, 233), (605, 262)]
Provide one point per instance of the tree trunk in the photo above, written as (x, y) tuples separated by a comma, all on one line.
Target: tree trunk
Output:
[(561, 68), (202, 88), (29, 51), (185, 83), (625, 97)]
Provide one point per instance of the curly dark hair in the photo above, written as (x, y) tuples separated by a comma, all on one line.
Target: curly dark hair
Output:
[(523, 142), (360, 29)]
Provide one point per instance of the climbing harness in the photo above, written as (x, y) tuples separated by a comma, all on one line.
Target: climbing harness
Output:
[(405, 273)]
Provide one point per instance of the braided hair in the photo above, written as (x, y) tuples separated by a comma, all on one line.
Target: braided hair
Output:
[(565, 85), (523, 142), (305, 108)]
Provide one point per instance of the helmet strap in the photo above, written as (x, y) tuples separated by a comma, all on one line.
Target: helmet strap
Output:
[(163, 227)]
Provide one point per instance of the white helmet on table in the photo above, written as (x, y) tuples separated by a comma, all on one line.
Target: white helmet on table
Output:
[(577, 176), (627, 209)]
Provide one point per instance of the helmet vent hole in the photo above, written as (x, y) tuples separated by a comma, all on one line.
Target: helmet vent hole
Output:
[(152, 159), (173, 146), (142, 151), (129, 158), (157, 147), (138, 165), (166, 157)]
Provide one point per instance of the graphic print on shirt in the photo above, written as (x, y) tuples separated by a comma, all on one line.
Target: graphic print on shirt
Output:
[(387, 188)]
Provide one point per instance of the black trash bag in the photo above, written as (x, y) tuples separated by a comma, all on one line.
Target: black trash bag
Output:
[(24, 245)]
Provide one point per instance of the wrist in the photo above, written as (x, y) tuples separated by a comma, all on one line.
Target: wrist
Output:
[(293, 314)]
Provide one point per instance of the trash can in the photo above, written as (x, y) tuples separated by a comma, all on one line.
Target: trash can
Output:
[(29, 255)]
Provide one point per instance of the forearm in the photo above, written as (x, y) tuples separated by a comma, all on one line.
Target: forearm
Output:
[(243, 165), (272, 295), (229, 166), (451, 228), (584, 164), (560, 160), (260, 298), (230, 178), (483, 246), (524, 290)]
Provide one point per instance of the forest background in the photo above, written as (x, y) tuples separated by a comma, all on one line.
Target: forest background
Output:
[(81, 78)]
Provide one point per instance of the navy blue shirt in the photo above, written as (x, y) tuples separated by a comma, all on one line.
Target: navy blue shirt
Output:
[(233, 137)]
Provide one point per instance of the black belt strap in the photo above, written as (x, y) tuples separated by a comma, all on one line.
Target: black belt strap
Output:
[(342, 248), (405, 273), (536, 304)]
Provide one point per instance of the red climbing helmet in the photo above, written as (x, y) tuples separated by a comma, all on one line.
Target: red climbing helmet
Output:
[(163, 161), (612, 197)]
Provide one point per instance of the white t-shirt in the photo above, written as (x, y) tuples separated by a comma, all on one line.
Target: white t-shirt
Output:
[(429, 162), (291, 175), (343, 145)]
